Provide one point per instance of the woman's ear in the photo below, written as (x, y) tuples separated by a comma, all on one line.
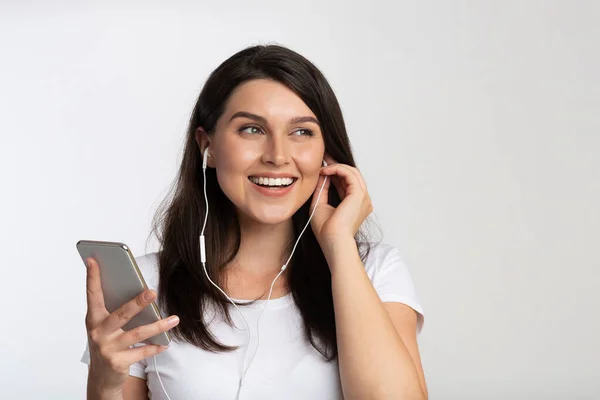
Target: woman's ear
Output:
[(203, 142)]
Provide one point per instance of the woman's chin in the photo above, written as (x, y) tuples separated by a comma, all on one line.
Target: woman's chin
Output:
[(271, 215)]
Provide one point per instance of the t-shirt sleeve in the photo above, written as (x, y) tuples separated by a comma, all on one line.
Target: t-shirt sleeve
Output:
[(392, 280), (146, 263)]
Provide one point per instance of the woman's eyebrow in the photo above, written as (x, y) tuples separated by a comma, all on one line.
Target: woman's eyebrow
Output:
[(262, 120), (244, 114), (299, 120)]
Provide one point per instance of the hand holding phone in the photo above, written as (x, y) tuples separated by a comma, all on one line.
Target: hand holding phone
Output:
[(109, 345)]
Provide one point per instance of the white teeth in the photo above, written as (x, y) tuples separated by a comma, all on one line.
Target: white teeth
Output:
[(272, 181)]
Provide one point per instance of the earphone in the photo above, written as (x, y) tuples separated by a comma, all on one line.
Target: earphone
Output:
[(202, 243)]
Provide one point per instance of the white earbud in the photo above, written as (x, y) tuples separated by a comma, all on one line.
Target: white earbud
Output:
[(205, 157), (325, 163)]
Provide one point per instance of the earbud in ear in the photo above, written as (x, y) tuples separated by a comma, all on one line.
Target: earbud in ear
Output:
[(324, 163), (205, 157)]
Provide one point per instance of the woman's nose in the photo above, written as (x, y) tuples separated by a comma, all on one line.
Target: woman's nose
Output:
[(276, 151)]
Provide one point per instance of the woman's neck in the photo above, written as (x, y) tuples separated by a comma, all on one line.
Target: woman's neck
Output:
[(263, 251), (263, 248)]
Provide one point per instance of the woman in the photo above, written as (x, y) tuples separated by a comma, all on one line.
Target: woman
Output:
[(340, 320)]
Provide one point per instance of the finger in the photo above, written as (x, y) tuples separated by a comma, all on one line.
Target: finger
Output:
[(95, 298), (361, 179), (141, 333), (123, 314), (347, 177), (321, 193), (356, 172), (340, 187), (331, 161), (363, 185), (139, 353)]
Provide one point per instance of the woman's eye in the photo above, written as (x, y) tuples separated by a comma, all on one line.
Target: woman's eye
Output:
[(252, 130), (303, 132)]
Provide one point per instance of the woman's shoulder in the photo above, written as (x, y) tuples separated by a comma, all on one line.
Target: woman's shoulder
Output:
[(391, 277), (379, 256)]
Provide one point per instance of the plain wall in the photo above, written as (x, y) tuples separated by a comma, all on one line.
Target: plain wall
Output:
[(475, 124)]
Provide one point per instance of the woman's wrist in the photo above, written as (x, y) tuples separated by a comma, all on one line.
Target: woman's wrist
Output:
[(337, 249), (97, 389)]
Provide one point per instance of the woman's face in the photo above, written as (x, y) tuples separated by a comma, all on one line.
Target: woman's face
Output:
[(267, 149)]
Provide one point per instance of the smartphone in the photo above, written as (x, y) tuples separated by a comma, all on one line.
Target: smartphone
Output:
[(122, 280)]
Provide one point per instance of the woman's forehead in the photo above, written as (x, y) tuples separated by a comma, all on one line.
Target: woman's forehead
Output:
[(267, 98)]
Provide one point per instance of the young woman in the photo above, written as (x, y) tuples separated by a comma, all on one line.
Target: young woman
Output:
[(342, 317)]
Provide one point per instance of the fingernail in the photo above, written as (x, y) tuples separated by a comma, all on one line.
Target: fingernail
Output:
[(173, 320), (148, 295)]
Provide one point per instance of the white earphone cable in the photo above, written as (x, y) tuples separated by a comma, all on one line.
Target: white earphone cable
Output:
[(278, 275), (203, 260), (160, 380)]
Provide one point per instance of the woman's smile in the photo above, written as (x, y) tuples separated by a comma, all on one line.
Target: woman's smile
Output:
[(272, 187)]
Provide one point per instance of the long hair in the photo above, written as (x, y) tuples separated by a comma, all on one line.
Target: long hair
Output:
[(183, 288)]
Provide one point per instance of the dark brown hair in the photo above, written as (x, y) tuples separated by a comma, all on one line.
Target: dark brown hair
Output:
[(183, 287)]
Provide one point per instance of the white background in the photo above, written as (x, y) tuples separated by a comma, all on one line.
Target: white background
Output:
[(475, 123)]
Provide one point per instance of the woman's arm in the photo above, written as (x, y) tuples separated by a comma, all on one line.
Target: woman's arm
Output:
[(134, 389), (378, 352)]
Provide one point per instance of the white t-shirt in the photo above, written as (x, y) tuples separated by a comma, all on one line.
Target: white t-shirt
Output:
[(285, 366)]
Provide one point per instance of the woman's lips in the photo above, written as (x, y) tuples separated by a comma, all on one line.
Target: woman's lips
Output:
[(276, 191)]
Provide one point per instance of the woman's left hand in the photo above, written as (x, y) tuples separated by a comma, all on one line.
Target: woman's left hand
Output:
[(342, 222)]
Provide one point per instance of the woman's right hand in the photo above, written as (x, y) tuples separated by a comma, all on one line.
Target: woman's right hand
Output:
[(109, 345)]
